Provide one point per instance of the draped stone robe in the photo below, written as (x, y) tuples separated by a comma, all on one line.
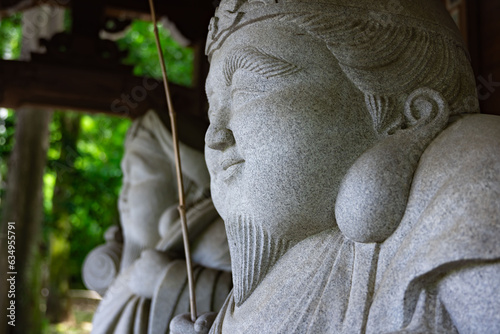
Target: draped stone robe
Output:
[(123, 311)]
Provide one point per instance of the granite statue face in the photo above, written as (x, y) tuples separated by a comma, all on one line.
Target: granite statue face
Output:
[(283, 116)]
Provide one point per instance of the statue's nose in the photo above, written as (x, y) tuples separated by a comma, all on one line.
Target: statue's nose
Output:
[(219, 138)]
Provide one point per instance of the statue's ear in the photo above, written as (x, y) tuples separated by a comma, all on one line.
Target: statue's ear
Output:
[(426, 110), (374, 193)]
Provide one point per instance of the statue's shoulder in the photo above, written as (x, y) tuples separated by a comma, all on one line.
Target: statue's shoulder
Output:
[(457, 230), (452, 222), (456, 187), (464, 144), (453, 210), (462, 164)]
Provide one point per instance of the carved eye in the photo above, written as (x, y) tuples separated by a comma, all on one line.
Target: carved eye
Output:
[(244, 92)]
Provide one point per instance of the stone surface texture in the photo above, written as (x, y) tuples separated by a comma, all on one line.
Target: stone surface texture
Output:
[(145, 288), (359, 187)]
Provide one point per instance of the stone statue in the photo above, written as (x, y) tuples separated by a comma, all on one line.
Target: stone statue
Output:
[(148, 198), (150, 286), (359, 187)]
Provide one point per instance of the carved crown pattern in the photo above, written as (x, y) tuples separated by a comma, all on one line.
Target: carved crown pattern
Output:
[(232, 14)]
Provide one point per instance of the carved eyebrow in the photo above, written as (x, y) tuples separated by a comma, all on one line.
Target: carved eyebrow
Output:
[(251, 59)]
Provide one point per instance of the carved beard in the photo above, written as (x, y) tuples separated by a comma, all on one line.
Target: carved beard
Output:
[(254, 251)]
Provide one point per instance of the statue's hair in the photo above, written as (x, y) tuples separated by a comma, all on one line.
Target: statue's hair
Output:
[(388, 60)]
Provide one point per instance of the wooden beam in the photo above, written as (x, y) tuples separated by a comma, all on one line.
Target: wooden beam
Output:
[(191, 17), (9, 7), (59, 86)]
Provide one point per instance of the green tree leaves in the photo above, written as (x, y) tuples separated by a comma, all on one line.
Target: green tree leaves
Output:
[(140, 42), (10, 37)]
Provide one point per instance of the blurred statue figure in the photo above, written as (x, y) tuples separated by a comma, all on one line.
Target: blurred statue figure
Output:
[(150, 286), (359, 187)]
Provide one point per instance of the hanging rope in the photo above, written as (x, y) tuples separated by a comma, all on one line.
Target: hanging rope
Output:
[(180, 183)]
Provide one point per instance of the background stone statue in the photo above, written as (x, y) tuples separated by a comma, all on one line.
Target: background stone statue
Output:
[(359, 188), (150, 286)]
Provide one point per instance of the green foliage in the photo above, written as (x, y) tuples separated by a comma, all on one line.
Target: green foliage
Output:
[(140, 42), (10, 37), (100, 149), (95, 184), (6, 132), (80, 324), (6, 144), (10, 48)]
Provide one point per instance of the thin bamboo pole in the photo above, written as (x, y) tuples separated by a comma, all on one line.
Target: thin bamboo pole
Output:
[(180, 182)]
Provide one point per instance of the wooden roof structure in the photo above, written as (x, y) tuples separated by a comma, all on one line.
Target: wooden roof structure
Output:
[(190, 16), (83, 80), (88, 74)]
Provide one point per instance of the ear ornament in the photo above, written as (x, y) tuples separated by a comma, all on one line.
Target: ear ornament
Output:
[(373, 196)]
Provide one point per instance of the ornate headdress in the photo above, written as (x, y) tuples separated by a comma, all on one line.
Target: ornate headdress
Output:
[(429, 15), (387, 48)]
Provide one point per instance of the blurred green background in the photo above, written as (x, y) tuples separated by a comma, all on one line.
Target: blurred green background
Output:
[(82, 178)]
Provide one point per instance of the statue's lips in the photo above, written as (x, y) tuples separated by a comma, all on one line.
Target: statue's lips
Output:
[(230, 167), (226, 164)]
